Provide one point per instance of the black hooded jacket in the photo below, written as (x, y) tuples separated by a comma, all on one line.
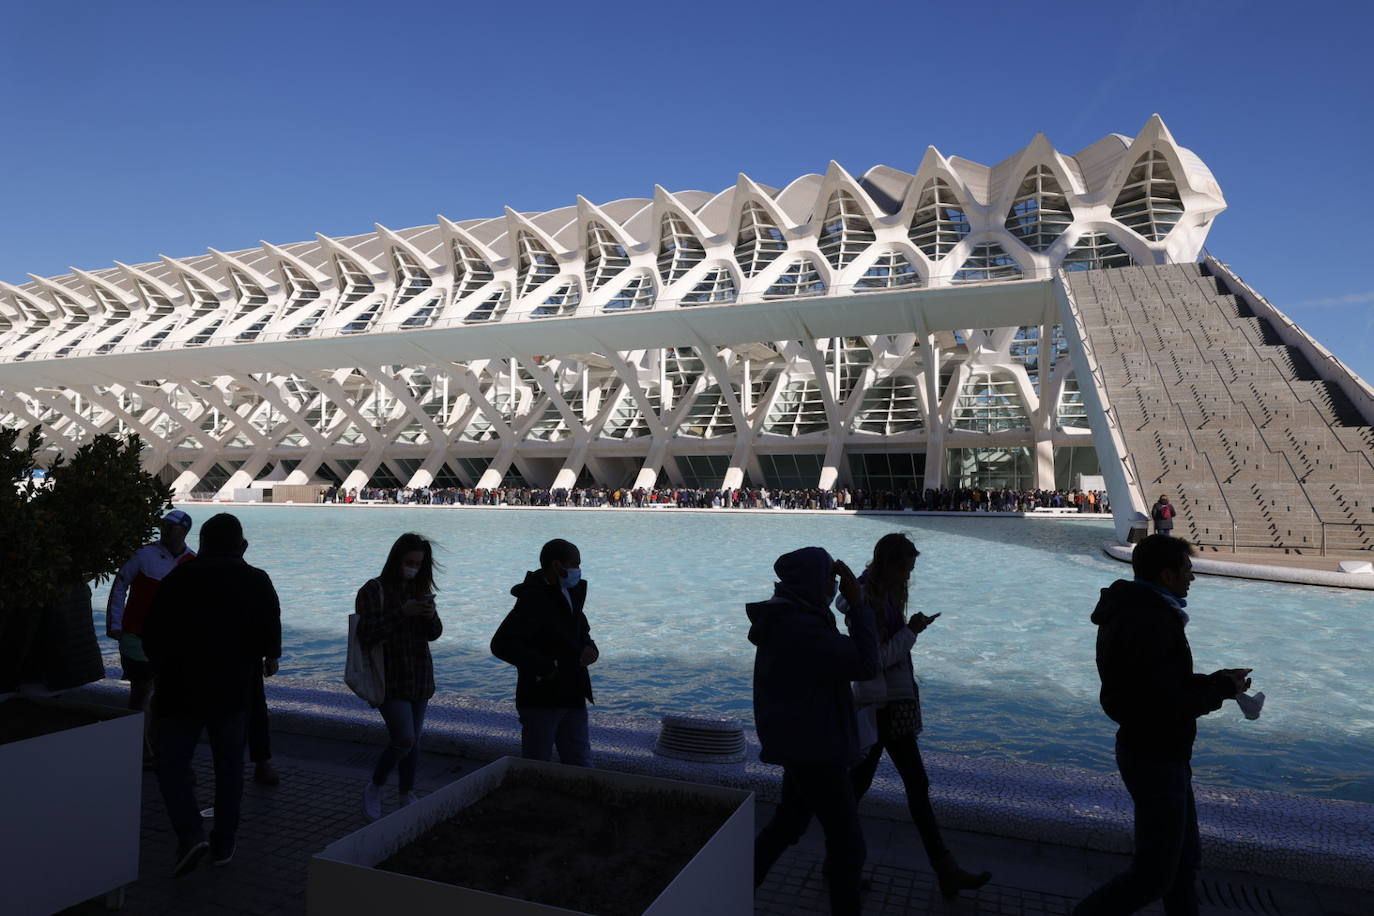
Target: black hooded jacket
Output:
[(1149, 687), (803, 708), (544, 640), (213, 620)]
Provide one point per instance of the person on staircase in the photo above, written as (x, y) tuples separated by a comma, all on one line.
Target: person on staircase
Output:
[(1163, 515)]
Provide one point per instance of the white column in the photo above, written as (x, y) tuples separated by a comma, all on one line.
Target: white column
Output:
[(935, 425)]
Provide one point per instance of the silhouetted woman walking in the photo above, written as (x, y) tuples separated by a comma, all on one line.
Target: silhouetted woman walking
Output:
[(396, 609), (889, 705)]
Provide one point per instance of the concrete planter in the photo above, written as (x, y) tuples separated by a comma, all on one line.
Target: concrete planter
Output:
[(72, 803), (343, 881)]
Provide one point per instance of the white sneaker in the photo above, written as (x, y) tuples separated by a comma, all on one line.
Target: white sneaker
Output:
[(372, 800), (409, 798)]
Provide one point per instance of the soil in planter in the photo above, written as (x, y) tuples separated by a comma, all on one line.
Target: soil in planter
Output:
[(566, 843), (21, 719)]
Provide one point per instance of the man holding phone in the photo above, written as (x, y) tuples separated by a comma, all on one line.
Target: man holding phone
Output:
[(805, 714), (1150, 689)]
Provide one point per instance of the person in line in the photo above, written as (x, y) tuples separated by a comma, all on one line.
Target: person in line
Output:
[(805, 716), (213, 624), (1163, 515), (889, 705), (547, 638), (1150, 690), (131, 594), (397, 611)]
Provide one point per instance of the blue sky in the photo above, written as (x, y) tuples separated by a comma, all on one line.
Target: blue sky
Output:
[(138, 129)]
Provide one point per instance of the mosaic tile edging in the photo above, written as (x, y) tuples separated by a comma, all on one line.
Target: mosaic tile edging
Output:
[(1321, 841)]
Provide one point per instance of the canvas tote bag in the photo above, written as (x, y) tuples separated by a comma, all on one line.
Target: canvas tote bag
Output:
[(363, 670)]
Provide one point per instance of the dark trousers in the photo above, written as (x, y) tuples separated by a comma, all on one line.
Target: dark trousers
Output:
[(176, 738), (824, 791), (404, 719), (906, 757), (541, 729), (1167, 849), (259, 737)]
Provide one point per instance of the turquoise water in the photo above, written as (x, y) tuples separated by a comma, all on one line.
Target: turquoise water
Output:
[(1007, 671)]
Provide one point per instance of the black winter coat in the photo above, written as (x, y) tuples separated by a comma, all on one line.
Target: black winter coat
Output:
[(1149, 687), (544, 638), (803, 707), (212, 622)]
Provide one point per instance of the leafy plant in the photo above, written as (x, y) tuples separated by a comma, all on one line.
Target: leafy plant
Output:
[(75, 525)]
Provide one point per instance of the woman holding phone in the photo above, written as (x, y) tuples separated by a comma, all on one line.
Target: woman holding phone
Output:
[(396, 611), (889, 705)]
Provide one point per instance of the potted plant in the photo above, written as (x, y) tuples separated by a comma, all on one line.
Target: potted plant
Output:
[(71, 524), (527, 837)]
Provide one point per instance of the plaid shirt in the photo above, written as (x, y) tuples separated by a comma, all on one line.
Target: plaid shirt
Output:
[(406, 662)]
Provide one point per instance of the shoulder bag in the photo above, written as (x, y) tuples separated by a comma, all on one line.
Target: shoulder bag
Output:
[(364, 672)]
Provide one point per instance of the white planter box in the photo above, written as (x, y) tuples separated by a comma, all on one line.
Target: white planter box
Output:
[(718, 881), (71, 803)]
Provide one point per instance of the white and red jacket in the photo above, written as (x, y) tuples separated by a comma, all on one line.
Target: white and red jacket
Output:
[(134, 585)]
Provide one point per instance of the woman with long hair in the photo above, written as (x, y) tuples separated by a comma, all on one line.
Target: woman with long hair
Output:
[(396, 611), (889, 705)]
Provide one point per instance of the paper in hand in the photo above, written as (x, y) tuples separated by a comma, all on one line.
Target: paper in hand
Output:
[(1250, 705)]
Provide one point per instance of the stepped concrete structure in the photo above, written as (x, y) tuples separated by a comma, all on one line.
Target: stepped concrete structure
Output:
[(1018, 325), (1258, 435)]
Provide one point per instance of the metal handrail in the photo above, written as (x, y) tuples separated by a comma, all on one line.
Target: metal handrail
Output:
[(1230, 514)]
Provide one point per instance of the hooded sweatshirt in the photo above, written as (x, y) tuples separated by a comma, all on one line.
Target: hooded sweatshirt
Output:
[(1149, 687), (803, 665)]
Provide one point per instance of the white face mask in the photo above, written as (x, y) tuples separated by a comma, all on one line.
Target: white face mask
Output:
[(410, 572)]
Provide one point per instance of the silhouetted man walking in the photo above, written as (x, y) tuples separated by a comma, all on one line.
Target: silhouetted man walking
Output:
[(804, 712), (1150, 690), (214, 625)]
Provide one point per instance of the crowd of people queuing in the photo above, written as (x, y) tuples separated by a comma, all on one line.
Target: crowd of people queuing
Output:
[(827, 703), (964, 499)]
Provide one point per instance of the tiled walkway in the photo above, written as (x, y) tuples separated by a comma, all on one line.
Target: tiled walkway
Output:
[(318, 801)]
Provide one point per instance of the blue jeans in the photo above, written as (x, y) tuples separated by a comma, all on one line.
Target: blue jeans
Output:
[(1167, 849), (822, 790), (541, 729), (176, 742), (404, 719)]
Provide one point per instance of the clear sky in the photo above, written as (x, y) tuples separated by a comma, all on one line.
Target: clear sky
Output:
[(135, 129)]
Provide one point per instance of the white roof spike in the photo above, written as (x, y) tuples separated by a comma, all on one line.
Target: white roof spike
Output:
[(932, 157), (215, 286), (268, 284), (81, 299), (835, 169), (377, 274)]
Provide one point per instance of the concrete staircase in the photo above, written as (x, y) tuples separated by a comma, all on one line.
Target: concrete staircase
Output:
[(1255, 449)]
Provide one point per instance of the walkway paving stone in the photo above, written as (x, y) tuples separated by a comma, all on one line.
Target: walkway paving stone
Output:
[(318, 801)]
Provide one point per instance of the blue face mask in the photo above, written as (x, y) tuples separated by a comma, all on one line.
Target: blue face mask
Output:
[(571, 577)]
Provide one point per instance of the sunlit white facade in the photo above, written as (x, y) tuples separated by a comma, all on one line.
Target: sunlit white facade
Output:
[(885, 331)]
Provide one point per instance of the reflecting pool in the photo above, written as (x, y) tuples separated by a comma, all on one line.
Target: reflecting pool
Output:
[(1007, 671)]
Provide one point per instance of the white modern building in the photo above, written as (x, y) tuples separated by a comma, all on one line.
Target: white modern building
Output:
[(894, 330)]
